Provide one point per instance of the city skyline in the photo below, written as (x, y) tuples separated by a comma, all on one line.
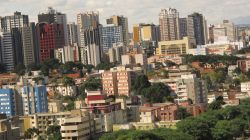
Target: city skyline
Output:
[(134, 10)]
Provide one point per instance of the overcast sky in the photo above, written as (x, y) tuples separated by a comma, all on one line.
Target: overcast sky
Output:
[(137, 11)]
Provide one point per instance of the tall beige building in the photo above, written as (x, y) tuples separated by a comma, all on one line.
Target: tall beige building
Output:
[(169, 24), (230, 30)]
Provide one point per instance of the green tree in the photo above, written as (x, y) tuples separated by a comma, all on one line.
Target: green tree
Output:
[(31, 133), (53, 132), (2, 68), (68, 67), (182, 113), (141, 82), (157, 93), (88, 68), (217, 104), (222, 130), (20, 69), (105, 66), (33, 67), (92, 84), (196, 127)]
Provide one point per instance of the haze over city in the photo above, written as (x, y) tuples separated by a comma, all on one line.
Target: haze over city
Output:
[(124, 69), (137, 11)]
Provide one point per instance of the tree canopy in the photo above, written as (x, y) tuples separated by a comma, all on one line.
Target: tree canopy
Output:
[(156, 134)]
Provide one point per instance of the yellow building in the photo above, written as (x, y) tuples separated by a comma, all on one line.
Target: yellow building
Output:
[(147, 32), (175, 46), (136, 34), (144, 32), (25, 124)]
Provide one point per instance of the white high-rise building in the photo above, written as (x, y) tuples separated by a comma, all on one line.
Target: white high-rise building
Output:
[(89, 39)]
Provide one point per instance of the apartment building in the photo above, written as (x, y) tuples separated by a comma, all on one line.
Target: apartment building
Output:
[(186, 86), (79, 126), (117, 82), (42, 121)]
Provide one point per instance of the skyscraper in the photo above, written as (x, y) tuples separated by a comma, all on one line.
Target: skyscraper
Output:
[(73, 33), (89, 40), (200, 28), (123, 22), (92, 46), (50, 37), (52, 16), (110, 34), (230, 30), (186, 28), (7, 50), (169, 24), (12, 41), (28, 45), (15, 21)]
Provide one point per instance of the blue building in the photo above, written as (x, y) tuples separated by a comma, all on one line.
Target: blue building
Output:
[(35, 99), (7, 104), (109, 35)]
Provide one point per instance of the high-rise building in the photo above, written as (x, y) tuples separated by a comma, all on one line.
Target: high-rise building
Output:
[(136, 34), (15, 21), (110, 34), (7, 104), (200, 28), (50, 37), (28, 45), (230, 30), (7, 50), (89, 39), (211, 34), (186, 28), (169, 24), (123, 22), (52, 16), (219, 33), (17, 45), (73, 33), (35, 42)]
